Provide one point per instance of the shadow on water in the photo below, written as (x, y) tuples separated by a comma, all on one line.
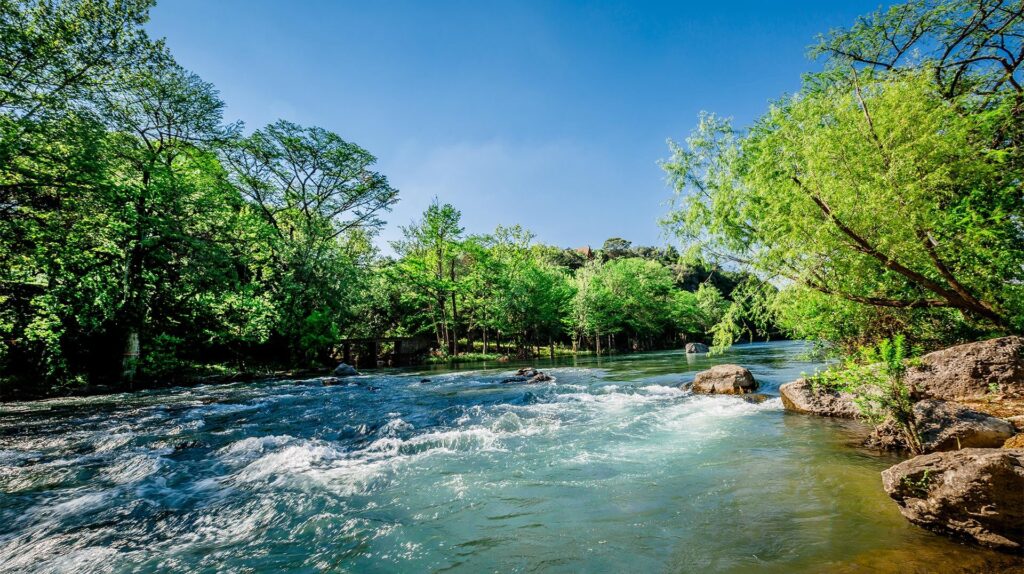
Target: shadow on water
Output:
[(610, 468)]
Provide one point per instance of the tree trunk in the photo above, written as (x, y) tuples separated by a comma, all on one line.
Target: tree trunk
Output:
[(455, 315), (133, 310), (130, 361)]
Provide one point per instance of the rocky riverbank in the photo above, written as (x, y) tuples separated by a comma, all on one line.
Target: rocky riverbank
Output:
[(969, 414)]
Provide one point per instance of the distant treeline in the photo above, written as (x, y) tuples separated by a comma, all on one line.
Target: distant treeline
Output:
[(143, 239)]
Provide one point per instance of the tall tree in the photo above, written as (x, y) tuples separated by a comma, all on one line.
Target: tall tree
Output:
[(877, 188), (320, 200), (431, 249), (164, 116)]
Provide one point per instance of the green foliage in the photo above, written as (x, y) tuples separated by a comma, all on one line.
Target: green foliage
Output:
[(630, 296), (319, 332), (921, 486), (885, 196), (876, 377), (163, 361), (133, 218)]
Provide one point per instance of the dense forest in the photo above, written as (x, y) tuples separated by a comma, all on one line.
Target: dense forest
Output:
[(145, 240)]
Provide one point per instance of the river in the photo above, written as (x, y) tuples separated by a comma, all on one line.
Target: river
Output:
[(611, 468)]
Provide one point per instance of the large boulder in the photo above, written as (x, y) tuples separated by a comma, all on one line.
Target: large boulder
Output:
[(345, 370), (801, 396), (974, 494), (693, 348), (724, 380), (972, 371), (945, 426)]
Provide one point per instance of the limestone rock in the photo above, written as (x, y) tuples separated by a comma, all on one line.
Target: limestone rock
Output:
[(945, 426), (693, 348), (973, 370), (802, 397), (973, 494), (948, 426), (724, 380)]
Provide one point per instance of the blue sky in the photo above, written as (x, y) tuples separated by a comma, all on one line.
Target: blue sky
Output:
[(548, 114)]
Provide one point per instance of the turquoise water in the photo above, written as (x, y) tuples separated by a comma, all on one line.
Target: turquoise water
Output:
[(611, 468)]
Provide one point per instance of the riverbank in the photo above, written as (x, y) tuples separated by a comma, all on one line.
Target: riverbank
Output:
[(965, 417)]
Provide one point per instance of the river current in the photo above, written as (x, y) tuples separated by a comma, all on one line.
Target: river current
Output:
[(610, 468)]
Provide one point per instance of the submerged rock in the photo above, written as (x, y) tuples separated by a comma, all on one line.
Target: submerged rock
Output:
[(802, 397), (693, 348), (345, 370), (724, 380), (528, 376), (973, 494), (1017, 421), (973, 370), (540, 378)]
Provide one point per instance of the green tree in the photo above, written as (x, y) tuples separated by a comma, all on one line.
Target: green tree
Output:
[(164, 118), (430, 250), (320, 201), (616, 247), (895, 201)]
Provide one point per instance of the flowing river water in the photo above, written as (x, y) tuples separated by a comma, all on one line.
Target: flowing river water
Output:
[(611, 468)]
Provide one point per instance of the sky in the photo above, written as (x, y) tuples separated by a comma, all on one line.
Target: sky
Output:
[(552, 115)]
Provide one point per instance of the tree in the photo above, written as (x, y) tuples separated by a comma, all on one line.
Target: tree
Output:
[(430, 251), (878, 191), (967, 46), (320, 202), (55, 58), (629, 296), (165, 117), (616, 247), (711, 306), (685, 313)]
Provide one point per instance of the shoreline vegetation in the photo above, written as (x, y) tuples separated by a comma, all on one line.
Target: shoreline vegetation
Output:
[(144, 239), (878, 210)]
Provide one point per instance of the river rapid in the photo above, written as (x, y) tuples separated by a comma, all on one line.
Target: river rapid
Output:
[(611, 468)]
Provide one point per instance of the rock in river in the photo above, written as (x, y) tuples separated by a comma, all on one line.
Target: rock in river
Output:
[(345, 370), (802, 397), (692, 348), (528, 375), (724, 380), (975, 494)]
